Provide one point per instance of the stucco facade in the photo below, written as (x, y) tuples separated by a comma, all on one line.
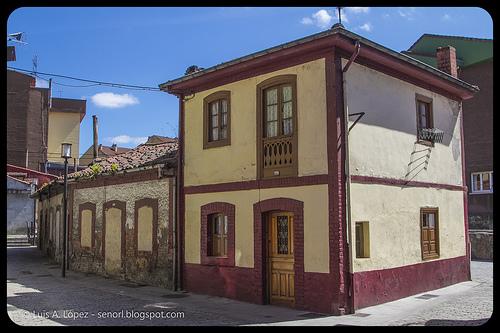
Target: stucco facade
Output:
[(373, 175), (63, 127)]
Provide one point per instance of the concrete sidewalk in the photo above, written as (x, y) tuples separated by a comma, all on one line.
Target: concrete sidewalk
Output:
[(35, 287)]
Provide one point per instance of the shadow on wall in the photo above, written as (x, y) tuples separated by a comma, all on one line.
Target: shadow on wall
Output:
[(419, 160)]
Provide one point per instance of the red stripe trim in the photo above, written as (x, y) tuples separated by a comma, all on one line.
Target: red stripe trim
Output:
[(256, 184), (385, 285), (402, 182)]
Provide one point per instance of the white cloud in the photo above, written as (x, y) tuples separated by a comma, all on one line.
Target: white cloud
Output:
[(322, 19), (307, 21), (407, 12), (446, 17), (125, 139), (366, 27), (113, 101), (358, 10), (386, 16)]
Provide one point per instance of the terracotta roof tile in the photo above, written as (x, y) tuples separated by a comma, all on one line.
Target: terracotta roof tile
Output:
[(142, 155)]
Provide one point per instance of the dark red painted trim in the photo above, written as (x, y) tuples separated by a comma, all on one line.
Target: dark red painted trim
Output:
[(385, 285), (289, 57), (258, 184), (402, 182), (466, 196), (340, 254), (260, 254), (86, 206), (122, 205), (146, 202), (213, 208)]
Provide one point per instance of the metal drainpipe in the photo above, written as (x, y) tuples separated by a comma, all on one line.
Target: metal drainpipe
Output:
[(347, 169)]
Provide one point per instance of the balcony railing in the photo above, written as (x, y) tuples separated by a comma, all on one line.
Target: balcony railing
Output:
[(278, 156), (433, 135)]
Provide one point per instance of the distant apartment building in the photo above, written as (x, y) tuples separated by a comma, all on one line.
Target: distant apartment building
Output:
[(474, 64), (27, 121), (37, 124)]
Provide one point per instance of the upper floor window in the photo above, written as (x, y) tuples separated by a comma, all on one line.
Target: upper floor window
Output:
[(277, 127), (424, 117), (482, 182), (216, 120), (278, 113)]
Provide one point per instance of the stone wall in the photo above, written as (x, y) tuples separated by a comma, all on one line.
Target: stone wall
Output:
[(150, 267), (481, 244)]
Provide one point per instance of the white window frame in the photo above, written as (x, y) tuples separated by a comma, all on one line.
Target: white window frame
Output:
[(480, 191)]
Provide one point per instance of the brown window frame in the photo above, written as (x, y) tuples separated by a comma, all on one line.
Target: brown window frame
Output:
[(363, 250), (219, 238), (430, 117), (277, 81), (434, 211), (207, 129), (206, 211)]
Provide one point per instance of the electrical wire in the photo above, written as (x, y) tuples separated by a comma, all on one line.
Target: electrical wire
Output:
[(94, 82)]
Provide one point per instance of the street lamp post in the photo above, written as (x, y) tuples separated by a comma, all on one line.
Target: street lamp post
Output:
[(65, 153)]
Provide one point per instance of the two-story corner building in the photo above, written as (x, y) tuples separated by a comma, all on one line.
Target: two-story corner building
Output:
[(289, 197), (474, 59)]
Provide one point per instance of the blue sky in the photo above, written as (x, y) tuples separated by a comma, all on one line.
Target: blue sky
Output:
[(148, 46)]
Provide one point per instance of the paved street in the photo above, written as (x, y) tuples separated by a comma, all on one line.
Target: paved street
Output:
[(37, 295)]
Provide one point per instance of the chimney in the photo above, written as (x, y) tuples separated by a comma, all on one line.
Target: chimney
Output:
[(446, 58), (114, 147), (96, 142)]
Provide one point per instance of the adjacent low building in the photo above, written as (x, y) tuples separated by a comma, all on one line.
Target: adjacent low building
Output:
[(120, 216)]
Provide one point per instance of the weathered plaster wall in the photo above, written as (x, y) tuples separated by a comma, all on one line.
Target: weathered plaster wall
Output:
[(86, 228), (52, 244), (153, 268), (315, 198), (20, 207), (209, 166), (382, 143), (393, 214)]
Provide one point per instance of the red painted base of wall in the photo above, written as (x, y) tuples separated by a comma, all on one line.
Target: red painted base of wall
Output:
[(242, 284), (380, 286)]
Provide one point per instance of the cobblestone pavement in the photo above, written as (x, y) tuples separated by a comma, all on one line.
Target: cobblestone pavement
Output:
[(35, 289)]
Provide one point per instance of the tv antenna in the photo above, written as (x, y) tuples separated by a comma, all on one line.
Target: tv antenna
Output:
[(340, 14), (35, 63)]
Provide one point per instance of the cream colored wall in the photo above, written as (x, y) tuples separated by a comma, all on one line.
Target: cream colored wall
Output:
[(145, 229), (315, 198), (393, 214), (237, 162), (129, 193), (382, 142), (113, 238), (86, 227), (63, 127)]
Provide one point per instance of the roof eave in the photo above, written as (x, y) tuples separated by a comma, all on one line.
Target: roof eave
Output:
[(465, 90)]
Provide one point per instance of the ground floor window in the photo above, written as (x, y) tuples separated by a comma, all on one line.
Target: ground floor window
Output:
[(429, 230), (217, 235), (362, 240), (482, 182)]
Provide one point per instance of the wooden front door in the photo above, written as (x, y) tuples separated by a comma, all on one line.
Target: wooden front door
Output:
[(281, 259)]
